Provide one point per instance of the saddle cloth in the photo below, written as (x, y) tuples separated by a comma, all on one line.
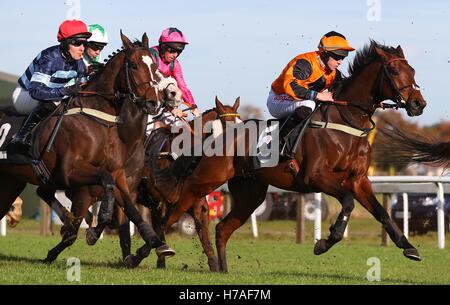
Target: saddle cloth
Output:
[(10, 123)]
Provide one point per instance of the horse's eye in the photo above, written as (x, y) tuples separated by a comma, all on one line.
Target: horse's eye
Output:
[(393, 71), (134, 65)]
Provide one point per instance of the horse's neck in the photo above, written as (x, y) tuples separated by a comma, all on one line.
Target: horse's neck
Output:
[(359, 91), (105, 83), (132, 123), (205, 118)]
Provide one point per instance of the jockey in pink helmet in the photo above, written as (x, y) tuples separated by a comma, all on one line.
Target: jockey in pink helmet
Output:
[(171, 44)]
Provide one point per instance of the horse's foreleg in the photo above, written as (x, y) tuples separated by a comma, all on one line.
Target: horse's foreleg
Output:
[(200, 213), (124, 233), (48, 195), (364, 194), (146, 231), (338, 228)]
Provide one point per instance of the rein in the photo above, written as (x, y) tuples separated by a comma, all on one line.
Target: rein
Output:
[(399, 101)]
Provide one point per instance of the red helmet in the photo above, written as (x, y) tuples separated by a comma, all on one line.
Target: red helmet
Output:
[(70, 28)]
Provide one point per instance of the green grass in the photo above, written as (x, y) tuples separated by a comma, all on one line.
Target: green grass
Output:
[(273, 258)]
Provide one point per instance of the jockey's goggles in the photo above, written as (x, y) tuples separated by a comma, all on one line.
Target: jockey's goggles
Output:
[(95, 46), (76, 42)]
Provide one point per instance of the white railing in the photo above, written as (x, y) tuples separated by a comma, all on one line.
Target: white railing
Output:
[(390, 185), (3, 226)]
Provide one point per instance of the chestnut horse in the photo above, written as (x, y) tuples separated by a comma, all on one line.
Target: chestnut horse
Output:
[(154, 191), (331, 161)]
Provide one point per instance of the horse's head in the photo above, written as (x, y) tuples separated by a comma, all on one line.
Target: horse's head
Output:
[(144, 84), (228, 113), (397, 81)]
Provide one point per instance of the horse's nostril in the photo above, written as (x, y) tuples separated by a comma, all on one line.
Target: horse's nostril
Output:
[(416, 104), (173, 94)]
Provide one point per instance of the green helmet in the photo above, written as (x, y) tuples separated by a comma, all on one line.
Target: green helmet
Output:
[(99, 34)]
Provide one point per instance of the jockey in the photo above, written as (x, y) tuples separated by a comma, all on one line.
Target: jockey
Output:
[(306, 79), (51, 77), (171, 44), (99, 39)]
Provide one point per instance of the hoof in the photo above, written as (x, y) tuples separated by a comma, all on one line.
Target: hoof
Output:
[(320, 247), (130, 262), (165, 251), (412, 253), (91, 237), (47, 261)]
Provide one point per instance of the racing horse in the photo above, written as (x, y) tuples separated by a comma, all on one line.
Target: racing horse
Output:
[(155, 190), (124, 92), (332, 158)]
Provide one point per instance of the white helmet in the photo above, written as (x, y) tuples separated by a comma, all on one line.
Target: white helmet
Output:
[(99, 34)]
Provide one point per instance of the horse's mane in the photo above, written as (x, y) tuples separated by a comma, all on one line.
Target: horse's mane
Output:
[(208, 111), (363, 58), (113, 55)]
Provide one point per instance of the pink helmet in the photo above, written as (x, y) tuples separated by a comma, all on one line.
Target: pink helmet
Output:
[(172, 35)]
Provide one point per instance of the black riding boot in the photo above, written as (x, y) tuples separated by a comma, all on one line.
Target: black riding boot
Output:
[(23, 138), (288, 143)]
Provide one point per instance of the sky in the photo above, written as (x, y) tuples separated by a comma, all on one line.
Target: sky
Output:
[(237, 47)]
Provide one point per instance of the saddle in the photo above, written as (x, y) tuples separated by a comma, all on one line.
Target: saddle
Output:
[(288, 137), (169, 174)]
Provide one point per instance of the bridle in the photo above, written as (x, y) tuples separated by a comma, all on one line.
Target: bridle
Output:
[(400, 101), (129, 80), (140, 100)]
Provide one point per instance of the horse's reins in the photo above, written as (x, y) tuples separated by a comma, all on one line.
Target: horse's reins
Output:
[(399, 101)]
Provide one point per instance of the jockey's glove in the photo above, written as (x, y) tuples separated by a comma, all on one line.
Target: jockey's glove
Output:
[(72, 90)]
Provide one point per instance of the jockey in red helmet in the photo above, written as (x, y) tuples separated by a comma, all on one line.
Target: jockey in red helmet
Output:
[(51, 77)]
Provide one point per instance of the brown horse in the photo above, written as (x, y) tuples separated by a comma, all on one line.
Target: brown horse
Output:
[(328, 160), (156, 190), (99, 155)]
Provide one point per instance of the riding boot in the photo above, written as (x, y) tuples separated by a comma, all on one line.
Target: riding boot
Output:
[(23, 138), (294, 123)]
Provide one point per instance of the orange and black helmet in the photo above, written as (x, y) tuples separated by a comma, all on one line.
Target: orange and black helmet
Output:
[(336, 43)]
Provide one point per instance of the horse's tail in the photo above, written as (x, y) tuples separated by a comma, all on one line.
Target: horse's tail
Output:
[(404, 147)]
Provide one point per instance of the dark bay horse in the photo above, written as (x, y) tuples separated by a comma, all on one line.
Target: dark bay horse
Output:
[(168, 192), (99, 155), (328, 160)]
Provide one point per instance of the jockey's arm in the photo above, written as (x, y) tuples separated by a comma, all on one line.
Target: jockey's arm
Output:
[(41, 86), (295, 85)]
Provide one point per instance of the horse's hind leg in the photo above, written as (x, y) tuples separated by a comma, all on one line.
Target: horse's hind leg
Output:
[(200, 213), (247, 195), (364, 194), (10, 189), (80, 204)]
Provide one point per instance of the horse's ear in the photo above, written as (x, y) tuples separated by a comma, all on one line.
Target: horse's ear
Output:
[(145, 40), (127, 44), (219, 105), (236, 104), (400, 51), (381, 53)]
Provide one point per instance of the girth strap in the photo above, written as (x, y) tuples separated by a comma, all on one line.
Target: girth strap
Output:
[(347, 129), (95, 113)]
